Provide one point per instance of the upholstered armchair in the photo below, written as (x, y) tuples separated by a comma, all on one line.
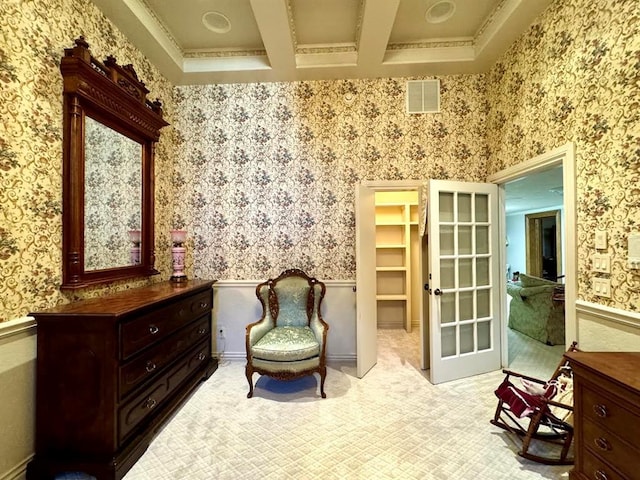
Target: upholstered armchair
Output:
[(289, 340), (532, 309)]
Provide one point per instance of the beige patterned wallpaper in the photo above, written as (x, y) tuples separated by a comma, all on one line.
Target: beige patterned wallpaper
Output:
[(33, 36), (262, 175), (575, 76), (267, 172)]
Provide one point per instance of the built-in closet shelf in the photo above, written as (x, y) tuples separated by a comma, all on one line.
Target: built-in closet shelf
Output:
[(390, 297), (397, 218)]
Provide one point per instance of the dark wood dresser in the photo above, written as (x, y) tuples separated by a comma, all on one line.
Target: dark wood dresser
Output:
[(607, 415), (110, 372)]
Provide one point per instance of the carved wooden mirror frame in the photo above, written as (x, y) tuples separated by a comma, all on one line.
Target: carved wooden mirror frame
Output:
[(112, 95)]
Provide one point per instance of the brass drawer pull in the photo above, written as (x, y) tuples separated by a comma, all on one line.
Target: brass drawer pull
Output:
[(153, 329), (600, 475), (204, 305), (201, 356), (602, 444), (600, 410), (150, 403), (150, 367), (201, 330)]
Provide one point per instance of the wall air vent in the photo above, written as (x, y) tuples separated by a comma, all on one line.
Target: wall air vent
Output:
[(423, 96)]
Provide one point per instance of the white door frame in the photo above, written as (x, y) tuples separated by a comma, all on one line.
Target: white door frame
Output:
[(394, 185), (565, 156)]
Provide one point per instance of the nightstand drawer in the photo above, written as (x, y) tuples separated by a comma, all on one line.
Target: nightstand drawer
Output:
[(158, 357), (148, 329), (611, 449), (595, 469), (610, 412)]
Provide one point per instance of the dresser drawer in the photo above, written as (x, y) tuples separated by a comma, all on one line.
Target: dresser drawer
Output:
[(609, 412), (595, 469), (156, 358), (148, 329), (611, 449), (142, 406)]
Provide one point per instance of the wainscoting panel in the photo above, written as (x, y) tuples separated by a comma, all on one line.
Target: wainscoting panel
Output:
[(602, 328), (17, 387), (236, 306)]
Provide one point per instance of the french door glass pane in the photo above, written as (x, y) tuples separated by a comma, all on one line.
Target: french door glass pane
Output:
[(482, 239), (482, 207), (448, 307), (482, 271), (464, 207), (446, 240), (465, 244), (484, 335), (466, 338), (466, 305), (448, 342), (446, 207), (448, 273), (483, 303), (465, 272)]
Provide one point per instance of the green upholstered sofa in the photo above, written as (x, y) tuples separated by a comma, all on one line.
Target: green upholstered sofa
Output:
[(290, 339), (533, 312)]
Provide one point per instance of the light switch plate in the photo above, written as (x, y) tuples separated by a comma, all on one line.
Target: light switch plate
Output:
[(602, 287), (601, 262), (601, 239)]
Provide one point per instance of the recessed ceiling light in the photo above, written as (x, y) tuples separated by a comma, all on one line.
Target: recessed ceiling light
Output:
[(440, 11), (216, 22)]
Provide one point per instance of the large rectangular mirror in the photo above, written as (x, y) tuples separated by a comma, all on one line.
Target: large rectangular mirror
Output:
[(112, 198), (110, 129)]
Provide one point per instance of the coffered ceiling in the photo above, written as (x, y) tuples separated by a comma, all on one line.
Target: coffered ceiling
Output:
[(235, 41)]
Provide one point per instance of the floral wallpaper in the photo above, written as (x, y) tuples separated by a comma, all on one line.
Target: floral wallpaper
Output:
[(267, 172), (575, 76), (263, 175), (33, 36)]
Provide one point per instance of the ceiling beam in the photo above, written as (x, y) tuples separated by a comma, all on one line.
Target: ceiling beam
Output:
[(377, 21), (272, 17)]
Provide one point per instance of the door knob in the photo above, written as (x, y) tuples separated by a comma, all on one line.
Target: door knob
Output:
[(437, 291)]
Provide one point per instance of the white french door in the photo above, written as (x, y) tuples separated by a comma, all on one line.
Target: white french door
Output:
[(464, 266)]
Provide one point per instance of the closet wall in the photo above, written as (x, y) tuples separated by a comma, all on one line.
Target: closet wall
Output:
[(397, 259)]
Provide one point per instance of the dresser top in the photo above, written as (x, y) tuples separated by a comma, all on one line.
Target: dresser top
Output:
[(127, 301), (621, 367)]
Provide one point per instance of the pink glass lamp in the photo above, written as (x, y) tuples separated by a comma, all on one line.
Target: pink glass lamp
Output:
[(178, 237), (134, 253)]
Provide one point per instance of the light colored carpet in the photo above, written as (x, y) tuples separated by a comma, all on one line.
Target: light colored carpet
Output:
[(392, 424)]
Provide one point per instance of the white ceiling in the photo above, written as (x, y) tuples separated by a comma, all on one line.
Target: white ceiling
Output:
[(537, 191), (287, 40)]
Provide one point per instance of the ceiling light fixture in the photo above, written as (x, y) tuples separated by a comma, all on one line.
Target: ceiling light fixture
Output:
[(440, 11), (216, 22)]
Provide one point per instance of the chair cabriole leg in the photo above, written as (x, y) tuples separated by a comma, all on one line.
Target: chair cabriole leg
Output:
[(249, 373)]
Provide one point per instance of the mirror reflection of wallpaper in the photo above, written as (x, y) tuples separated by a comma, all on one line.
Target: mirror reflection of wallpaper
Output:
[(575, 76), (268, 172), (33, 39), (113, 195)]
